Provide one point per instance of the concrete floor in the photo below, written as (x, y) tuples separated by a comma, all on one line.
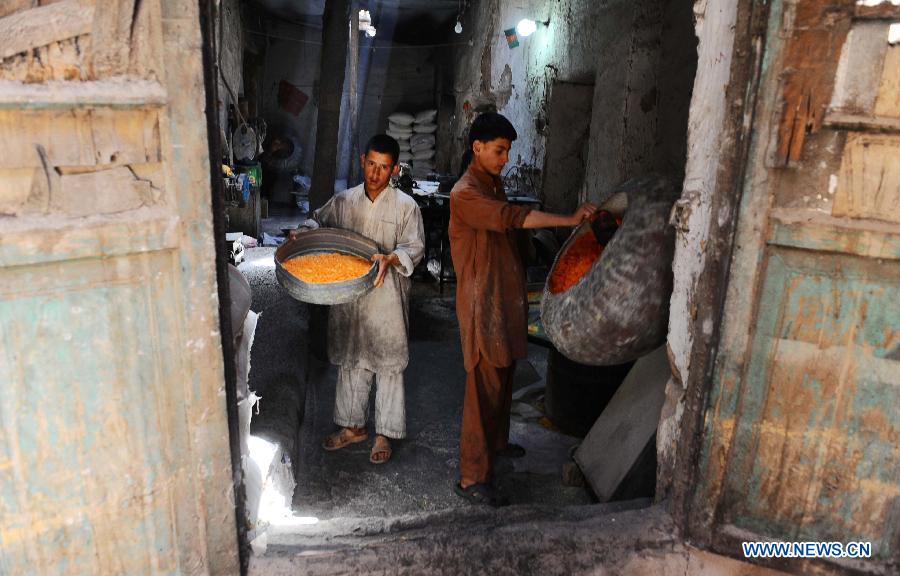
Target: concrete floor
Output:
[(403, 517), (362, 507), (420, 475)]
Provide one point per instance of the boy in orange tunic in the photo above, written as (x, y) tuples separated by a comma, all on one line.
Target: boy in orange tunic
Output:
[(491, 302)]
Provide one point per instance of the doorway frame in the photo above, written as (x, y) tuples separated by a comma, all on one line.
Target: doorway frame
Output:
[(208, 20), (708, 295)]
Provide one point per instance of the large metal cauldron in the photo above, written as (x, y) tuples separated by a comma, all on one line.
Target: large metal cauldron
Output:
[(326, 240), (619, 310)]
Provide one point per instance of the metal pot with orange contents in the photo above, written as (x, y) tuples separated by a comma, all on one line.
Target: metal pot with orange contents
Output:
[(327, 266), (606, 300)]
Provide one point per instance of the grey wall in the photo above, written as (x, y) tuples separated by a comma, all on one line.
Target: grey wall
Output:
[(640, 56), (567, 139), (399, 77), (390, 78), (292, 54), (408, 84), (645, 74), (517, 81), (230, 56)]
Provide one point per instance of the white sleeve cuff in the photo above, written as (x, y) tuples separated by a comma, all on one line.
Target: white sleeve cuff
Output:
[(309, 224), (406, 264)]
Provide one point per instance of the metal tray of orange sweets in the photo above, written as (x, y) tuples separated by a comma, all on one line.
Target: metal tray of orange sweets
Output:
[(321, 241)]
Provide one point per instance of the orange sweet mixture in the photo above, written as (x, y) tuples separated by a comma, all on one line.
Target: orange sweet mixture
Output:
[(577, 260), (327, 267)]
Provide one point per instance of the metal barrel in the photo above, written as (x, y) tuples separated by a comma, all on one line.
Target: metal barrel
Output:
[(619, 310)]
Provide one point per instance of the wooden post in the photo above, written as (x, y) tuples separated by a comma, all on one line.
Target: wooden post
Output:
[(331, 87), (353, 97)]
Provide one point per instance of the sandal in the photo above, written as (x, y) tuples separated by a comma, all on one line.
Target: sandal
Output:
[(480, 494), (381, 450), (342, 438)]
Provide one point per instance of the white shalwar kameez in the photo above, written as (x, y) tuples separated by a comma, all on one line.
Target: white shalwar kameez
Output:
[(368, 338)]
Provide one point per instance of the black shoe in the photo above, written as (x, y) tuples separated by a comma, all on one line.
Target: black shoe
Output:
[(481, 494)]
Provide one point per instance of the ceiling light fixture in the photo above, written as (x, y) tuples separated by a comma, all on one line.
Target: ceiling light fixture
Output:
[(526, 27), (459, 13), (365, 20)]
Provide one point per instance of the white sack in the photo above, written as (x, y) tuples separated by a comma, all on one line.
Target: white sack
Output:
[(397, 135), (426, 116), (402, 118), (400, 128), (422, 140), (424, 128)]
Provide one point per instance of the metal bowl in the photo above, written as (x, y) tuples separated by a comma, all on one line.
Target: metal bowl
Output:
[(326, 240)]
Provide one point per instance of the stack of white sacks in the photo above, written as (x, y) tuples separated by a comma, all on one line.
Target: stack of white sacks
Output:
[(415, 133)]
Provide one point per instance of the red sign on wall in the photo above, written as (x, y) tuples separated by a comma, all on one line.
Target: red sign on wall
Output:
[(290, 98)]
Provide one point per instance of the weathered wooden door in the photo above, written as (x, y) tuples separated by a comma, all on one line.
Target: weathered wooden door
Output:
[(114, 451), (802, 432)]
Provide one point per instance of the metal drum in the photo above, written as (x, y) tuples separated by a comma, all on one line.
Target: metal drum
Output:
[(326, 240), (619, 310)]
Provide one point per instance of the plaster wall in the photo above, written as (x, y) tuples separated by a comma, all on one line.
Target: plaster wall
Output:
[(624, 108), (638, 55), (516, 81), (715, 29), (293, 55), (408, 81), (646, 65), (230, 57), (391, 78)]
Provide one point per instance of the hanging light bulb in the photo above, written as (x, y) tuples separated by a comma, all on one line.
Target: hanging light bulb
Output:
[(459, 11), (525, 27)]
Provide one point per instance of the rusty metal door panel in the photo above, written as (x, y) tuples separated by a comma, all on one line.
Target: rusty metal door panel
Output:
[(814, 447)]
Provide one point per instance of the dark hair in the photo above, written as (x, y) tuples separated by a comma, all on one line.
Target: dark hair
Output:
[(384, 144), (490, 126), (465, 161)]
